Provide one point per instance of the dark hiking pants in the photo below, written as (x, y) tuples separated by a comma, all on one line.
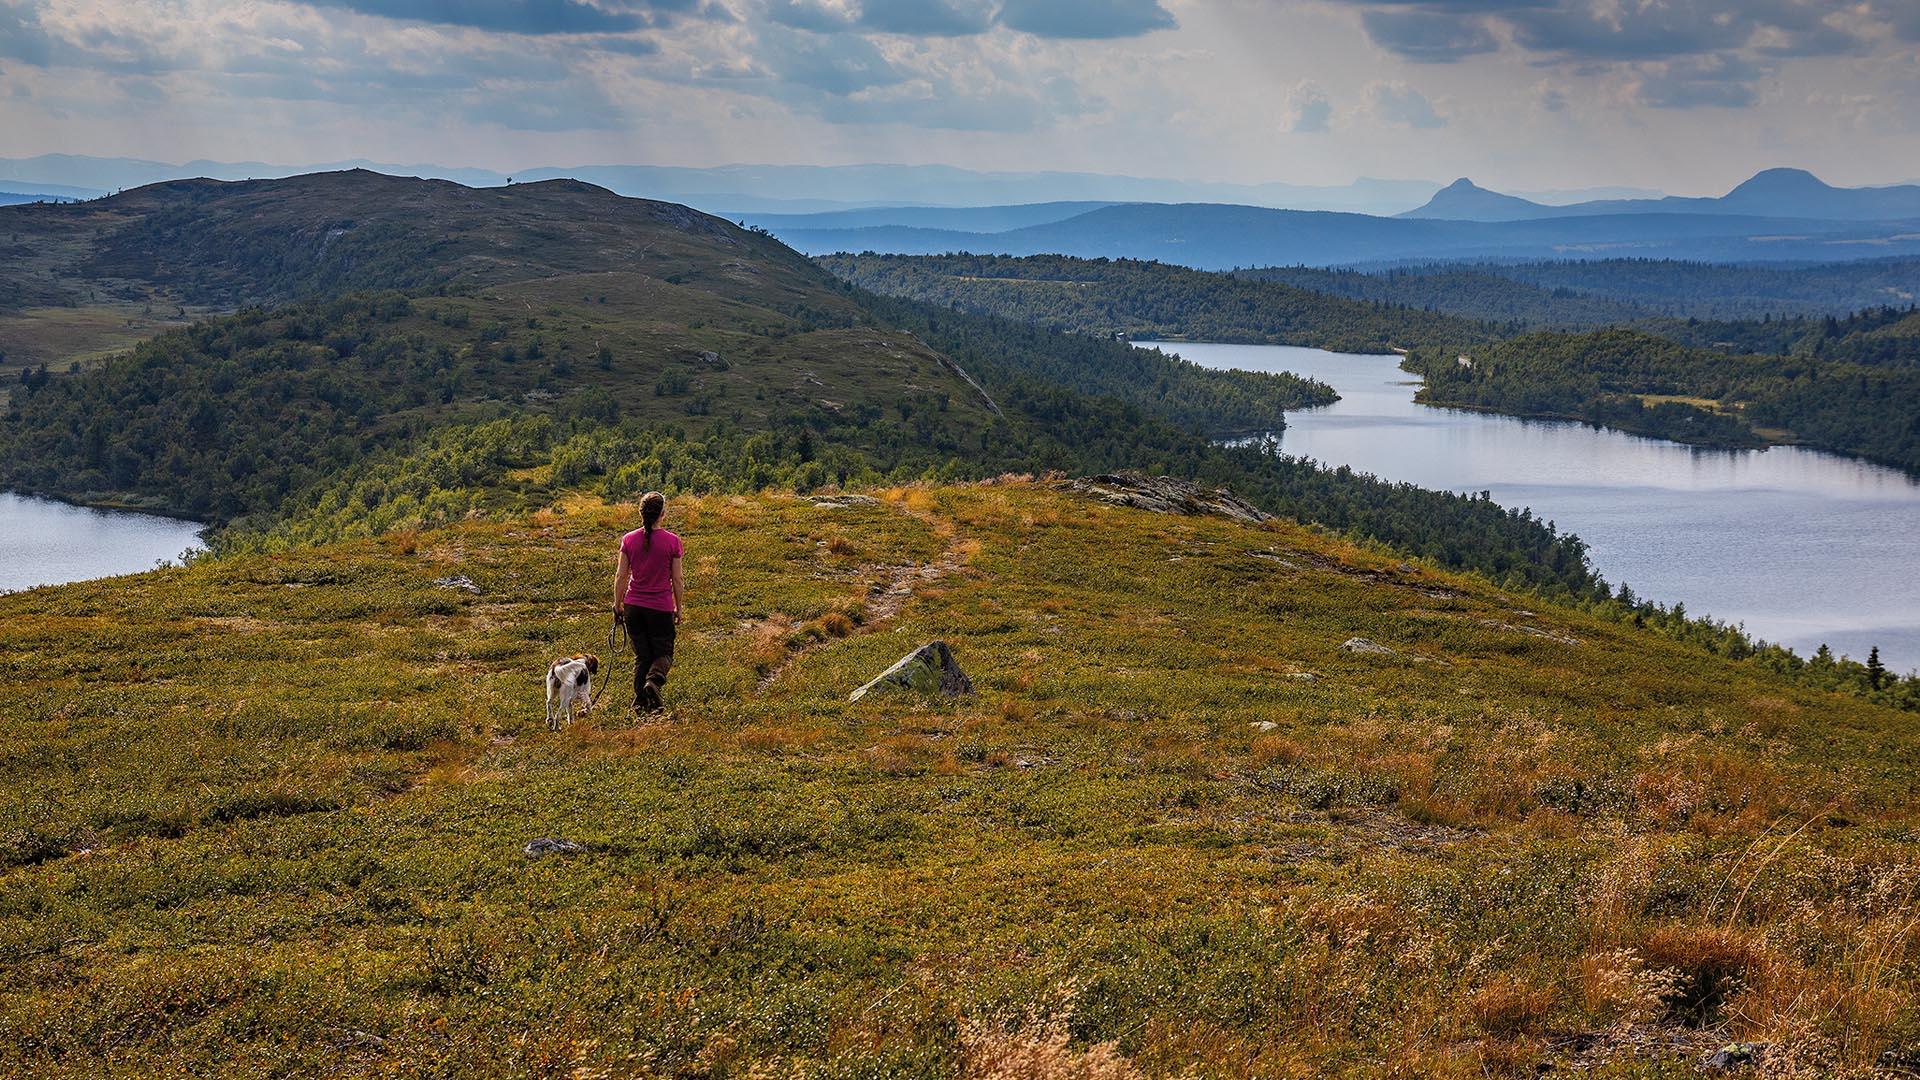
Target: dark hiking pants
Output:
[(651, 633)]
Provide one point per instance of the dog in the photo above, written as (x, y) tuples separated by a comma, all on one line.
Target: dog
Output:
[(570, 680)]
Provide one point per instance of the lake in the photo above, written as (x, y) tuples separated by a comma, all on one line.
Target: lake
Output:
[(1800, 546), (44, 542)]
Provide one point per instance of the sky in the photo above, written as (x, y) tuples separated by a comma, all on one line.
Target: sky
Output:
[(1690, 96)]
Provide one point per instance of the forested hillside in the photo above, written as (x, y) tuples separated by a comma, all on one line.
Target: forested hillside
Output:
[(1635, 381), (1469, 291), (515, 353), (1149, 299), (1726, 291), (1847, 385), (1879, 337), (1616, 291)]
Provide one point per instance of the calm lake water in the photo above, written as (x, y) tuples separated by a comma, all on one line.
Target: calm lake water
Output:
[(43, 542), (1801, 546)]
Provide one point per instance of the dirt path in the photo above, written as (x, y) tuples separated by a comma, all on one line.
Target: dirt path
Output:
[(889, 589)]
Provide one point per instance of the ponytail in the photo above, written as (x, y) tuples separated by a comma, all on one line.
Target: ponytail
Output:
[(652, 505)]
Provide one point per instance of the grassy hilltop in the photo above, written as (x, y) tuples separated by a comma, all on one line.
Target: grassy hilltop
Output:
[(264, 815)]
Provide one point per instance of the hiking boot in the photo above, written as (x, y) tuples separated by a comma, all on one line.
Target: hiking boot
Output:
[(649, 699)]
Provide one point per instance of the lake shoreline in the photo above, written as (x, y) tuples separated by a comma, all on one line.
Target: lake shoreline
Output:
[(116, 504), (49, 542), (1798, 545)]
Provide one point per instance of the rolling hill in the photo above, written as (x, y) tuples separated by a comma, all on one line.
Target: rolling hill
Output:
[(276, 824), (416, 352), (1234, 795)]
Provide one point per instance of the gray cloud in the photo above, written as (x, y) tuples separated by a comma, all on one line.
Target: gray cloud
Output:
[(1904, 15), (1086, 18), (939, 18), (526, 16), (1398, 103), (1600, 30), (1724, 81), (1703, 52), (24, 38), (957, 18), (1432, 37), (1308, 110), (837, 64)]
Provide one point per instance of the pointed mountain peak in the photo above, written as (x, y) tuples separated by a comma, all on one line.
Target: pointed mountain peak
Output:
[(1464, 200)]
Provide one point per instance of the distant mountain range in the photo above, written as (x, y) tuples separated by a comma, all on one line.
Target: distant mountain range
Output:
[(14, 198), (1216, 237), (1778, 193), (1779, 215), (771, 189)]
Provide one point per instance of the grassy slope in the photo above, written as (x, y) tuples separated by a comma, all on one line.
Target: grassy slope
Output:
[(267, 812)]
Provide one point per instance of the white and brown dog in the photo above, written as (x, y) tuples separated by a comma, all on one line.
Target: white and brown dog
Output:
[(570, 680)]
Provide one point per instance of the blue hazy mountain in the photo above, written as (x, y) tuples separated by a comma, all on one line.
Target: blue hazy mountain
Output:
[(1775, 193), (12, 198), (985, 219), (1464, 200), (1219, 237), (735, 189)]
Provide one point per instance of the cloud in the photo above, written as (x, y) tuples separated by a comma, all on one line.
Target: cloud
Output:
[(1724, 81), (1308, 110), (1676, 53), (1429, 37), (937, 18), (1086, 18), (1903, 15), (1398, 103), (838, 64), (525, 16)]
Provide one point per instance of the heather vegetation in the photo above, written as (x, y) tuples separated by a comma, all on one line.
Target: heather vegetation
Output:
[(277, 823)]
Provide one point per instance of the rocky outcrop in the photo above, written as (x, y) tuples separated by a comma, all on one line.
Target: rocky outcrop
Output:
[(929, 669), (1166, 495), (1365, 647)]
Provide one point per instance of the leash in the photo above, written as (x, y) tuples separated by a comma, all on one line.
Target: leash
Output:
[(616, 636)]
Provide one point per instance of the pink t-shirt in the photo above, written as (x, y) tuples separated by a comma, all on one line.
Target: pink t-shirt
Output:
[(652, 583)]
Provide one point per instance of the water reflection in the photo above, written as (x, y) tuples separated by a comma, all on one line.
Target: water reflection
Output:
[(43, 542), (1802, 547)]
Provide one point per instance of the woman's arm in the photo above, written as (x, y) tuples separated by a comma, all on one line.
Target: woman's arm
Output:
[(679, 590), (622, 575)]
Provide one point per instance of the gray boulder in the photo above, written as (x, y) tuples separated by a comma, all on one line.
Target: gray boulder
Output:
[(550, 845), (1166, 495), (1364, 647), (929, 669)]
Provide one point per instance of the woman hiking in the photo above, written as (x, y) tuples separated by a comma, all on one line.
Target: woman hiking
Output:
[(648, 595)]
